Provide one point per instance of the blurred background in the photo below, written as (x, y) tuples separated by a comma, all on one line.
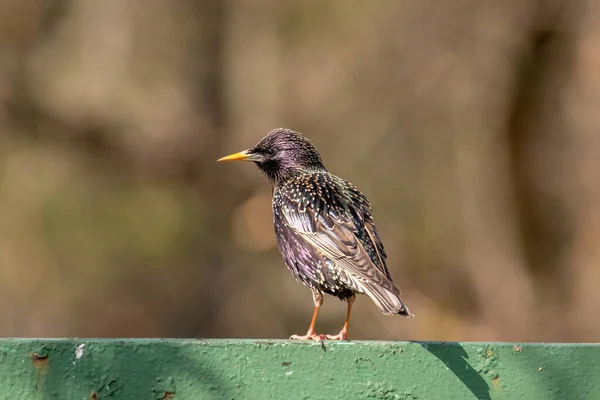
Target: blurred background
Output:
[(473, 127)]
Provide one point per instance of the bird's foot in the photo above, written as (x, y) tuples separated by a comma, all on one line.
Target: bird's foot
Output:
[(343, 335), (309, 336)]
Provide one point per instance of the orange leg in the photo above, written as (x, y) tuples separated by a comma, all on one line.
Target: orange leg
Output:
[(343, 335), (318, 299)]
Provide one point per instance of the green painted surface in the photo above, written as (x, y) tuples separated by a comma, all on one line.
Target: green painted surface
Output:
[(86, 369)]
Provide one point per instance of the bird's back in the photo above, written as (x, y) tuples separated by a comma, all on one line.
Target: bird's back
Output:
[(328, 239)]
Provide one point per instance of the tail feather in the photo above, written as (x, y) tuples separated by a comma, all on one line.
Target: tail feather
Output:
[(388, 303), (405, 312)]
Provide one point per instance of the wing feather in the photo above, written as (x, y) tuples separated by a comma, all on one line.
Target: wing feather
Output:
[(337, 234)]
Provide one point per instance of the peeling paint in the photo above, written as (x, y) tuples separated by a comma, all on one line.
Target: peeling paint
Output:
[(79, 351)]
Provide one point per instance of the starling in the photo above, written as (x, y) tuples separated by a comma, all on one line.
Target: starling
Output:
[(324, 228)]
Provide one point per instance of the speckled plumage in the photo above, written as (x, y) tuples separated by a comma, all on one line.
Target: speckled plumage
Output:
[(324, 225), (328, 240)]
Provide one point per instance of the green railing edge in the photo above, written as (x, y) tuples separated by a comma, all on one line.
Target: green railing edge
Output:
[(89, 368)]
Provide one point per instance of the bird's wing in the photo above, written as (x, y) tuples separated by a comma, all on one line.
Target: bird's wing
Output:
[(337, 235), (362, 217)]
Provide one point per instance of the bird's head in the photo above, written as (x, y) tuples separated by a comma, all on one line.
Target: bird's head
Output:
[(281, 154)]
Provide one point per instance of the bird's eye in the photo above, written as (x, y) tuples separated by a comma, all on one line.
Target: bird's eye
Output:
[(268, 152)]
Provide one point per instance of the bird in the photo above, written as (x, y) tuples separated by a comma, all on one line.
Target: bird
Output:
[(324, 228)]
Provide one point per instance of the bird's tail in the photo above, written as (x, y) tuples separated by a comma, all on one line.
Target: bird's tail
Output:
[(388, 302), (405, 312)]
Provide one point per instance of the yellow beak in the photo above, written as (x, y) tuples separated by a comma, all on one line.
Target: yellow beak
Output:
[(241, 156)]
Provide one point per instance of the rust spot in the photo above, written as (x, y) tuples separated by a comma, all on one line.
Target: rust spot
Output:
[(489, 353), (516, 348), (496, 384), (168, 395), (39, 360), (94, 396)]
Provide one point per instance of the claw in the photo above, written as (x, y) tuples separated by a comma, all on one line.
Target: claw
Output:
[(309, 336), (343, 335)]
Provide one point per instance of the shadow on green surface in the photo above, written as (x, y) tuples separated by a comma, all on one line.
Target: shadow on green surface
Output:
[(454, 356)]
